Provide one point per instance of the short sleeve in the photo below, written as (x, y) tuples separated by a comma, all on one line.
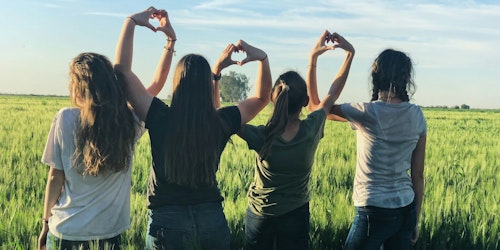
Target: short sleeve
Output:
[(53, 149), (423, 123), (232, 117), (316, 121), (156, 113), (254, 136), (353, 112)]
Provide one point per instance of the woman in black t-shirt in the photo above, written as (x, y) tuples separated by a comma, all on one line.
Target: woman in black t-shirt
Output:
[(187, 138)]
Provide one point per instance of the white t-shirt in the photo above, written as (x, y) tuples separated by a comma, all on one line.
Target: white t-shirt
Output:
[(387, 134), (90, 207)]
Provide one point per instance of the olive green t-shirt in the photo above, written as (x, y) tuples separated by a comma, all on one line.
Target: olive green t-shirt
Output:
[(281, 180)]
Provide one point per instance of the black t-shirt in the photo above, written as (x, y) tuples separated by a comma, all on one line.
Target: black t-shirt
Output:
[(160, 192)]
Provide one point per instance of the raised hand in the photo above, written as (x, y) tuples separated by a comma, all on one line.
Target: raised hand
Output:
[(321, 45), (253, 53), (142, 18), (165, 24), (340, 42), (225, 60)]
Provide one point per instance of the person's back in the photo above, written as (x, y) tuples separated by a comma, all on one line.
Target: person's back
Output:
[(278, 198), (284, 159), (391, 139), (187, 139), (88, 189), (387, 134)]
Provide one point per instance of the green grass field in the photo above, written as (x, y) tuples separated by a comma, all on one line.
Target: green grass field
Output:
[(461, 202)]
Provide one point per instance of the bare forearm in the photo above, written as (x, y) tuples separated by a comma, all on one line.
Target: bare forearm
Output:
[(55, 182), (418, 188), (216, 94), (263, 86), (124, 48), (137, 93), (417, 172), (312, 84), (162, 69), (341, 77)]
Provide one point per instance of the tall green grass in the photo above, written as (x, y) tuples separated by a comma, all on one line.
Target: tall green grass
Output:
[(462, 178)]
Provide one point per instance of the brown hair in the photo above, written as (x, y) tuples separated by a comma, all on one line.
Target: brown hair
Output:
[(289, 95), (392, 71), (191, 157), (106, 127)]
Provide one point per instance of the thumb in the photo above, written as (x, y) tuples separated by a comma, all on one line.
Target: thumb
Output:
[(151, 27), (244, 61)]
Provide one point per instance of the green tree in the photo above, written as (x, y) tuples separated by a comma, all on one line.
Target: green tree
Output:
[(233, 87)]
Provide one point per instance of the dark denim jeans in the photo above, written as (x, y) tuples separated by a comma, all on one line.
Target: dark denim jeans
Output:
[(288, 231), (201, 226), (374, 227), (54, 243)]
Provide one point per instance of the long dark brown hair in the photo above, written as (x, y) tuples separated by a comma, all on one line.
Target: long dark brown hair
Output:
[(191, 157), (392, 71), (289, 95), (106, 127)]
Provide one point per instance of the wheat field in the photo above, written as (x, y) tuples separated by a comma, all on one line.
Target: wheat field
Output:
[(462, 176)]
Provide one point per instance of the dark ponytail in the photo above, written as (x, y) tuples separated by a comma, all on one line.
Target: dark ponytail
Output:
[(277, 123), (289, 95)]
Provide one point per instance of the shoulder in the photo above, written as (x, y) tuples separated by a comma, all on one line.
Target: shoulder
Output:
[(317, 114), (230, 115), (357, 109), (67, 115), (316, 117), (158, 111), (229, 111)]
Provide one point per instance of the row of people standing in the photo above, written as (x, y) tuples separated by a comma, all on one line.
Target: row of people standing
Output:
[(90, 150)]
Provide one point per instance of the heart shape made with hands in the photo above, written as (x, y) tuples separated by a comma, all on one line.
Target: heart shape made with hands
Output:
[(238, 56), (330, 41)]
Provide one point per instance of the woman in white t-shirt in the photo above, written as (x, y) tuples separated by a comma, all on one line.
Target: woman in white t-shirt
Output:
[(391, 139), (89, 150)]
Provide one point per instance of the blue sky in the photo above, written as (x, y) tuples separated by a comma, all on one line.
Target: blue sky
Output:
[(454, 44)]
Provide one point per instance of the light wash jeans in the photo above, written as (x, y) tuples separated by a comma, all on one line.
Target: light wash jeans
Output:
[(374, 227), (201, 226)]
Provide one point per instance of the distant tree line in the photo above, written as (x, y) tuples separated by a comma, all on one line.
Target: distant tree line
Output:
[(463, 106)]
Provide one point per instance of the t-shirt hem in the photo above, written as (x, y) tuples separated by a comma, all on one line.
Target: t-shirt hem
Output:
[(88, 237)]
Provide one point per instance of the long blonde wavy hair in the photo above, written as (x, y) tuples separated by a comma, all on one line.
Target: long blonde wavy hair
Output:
[(105, 133)]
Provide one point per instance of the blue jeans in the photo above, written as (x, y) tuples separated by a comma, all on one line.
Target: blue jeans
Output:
[(201, 226), (288, 231), (54, 243), (374, 227)]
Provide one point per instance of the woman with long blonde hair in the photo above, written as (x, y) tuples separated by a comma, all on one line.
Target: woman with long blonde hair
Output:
[(89, 150)]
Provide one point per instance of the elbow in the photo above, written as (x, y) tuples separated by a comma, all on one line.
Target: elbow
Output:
[(119, 69)]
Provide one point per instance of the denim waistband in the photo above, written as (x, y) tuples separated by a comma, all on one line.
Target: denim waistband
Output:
[(374, 208)]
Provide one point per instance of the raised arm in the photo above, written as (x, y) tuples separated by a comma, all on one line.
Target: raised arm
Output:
[(163, 68), (312, 86), (251, 106), (417, 178), (339, 80), (138, 95), (223, 62)]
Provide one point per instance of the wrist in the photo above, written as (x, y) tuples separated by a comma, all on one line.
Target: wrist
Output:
[(132, 20), (217, 77)]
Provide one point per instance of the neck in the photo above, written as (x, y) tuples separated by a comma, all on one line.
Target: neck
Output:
[(388, 97)]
